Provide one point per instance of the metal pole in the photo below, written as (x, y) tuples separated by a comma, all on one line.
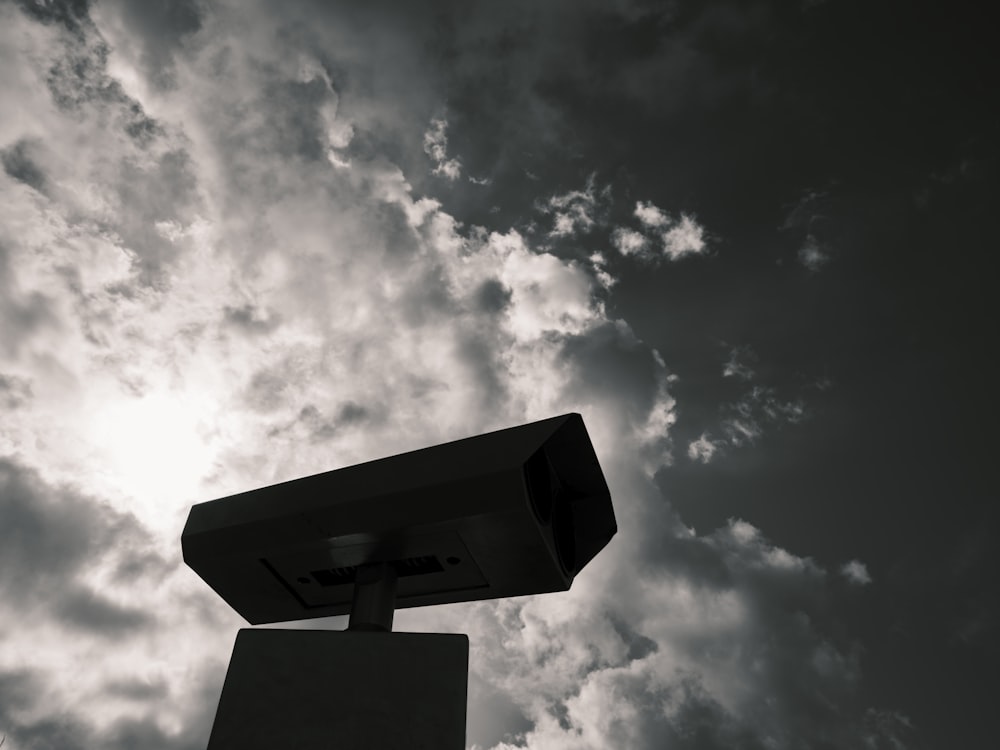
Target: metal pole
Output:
[(374, 598)]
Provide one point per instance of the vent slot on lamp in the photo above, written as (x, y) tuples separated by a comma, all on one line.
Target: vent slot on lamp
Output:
[(410, 566), (324, 575)]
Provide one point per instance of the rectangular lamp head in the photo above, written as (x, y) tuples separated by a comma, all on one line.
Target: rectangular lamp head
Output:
[(513, 512)]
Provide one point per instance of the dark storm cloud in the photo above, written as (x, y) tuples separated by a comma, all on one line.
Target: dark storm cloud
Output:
[(48, 539), (21, 314), (737, 110), (492, 296), (690, 558), (151, 195), (90, 611), (45, 531), (322, 428), (538, 87), (478, 352), (159, 28), (21, 163), (503, 721), (137, 562), (68, 13), (251, 319), (319, 426), (609, 358), (426, 300), (723, 95), (287, 122), (639, 646), (68, 732), (375, 56), (18, 689), (267, 389), (78, 75), (806, 670), (698, 722), (291, 112), (842, 142), (14, 391), (49, 536), (139, 690)]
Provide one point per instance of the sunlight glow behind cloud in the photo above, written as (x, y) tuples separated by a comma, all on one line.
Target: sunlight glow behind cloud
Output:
[(223, 271)]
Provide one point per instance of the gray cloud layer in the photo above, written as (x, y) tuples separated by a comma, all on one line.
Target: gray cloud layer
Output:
[(51, 539), (232, 263)]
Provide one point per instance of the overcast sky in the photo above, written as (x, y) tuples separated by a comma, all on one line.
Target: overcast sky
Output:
[(242, 242)]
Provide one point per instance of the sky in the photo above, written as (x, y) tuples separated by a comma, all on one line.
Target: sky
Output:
[(243, 242)]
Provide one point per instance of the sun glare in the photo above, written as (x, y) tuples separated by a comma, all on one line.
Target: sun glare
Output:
[(156, 451)]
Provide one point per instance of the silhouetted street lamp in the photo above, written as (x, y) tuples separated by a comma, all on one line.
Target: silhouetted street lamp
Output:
[(508, 513)]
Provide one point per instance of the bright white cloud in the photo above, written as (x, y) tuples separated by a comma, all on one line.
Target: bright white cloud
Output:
[(686, 237), (576, 211), (856, 572), (547, 295), (204, 298), (628, 678), (702, 449), (676, 239), (252, 329), (629, 242), (600, 269), (436, 147), (651, 216)]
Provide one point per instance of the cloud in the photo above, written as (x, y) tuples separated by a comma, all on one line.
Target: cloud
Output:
[(198, 298), (251, 319), (237, 255), (628, 241), (676, 239), (436, 147), (547, 294), (91, 611), (686, 237), (702, 449), (15, 391), (809, 217), (85, 574), (21, 162), (651, 216), (71, 732), (889, 730), (140, 690), (691, 667), (744, 419), (50, 533), (156, 32), (856, 572), (811, 254), (737, 365), (757, 408), (576, 211)]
